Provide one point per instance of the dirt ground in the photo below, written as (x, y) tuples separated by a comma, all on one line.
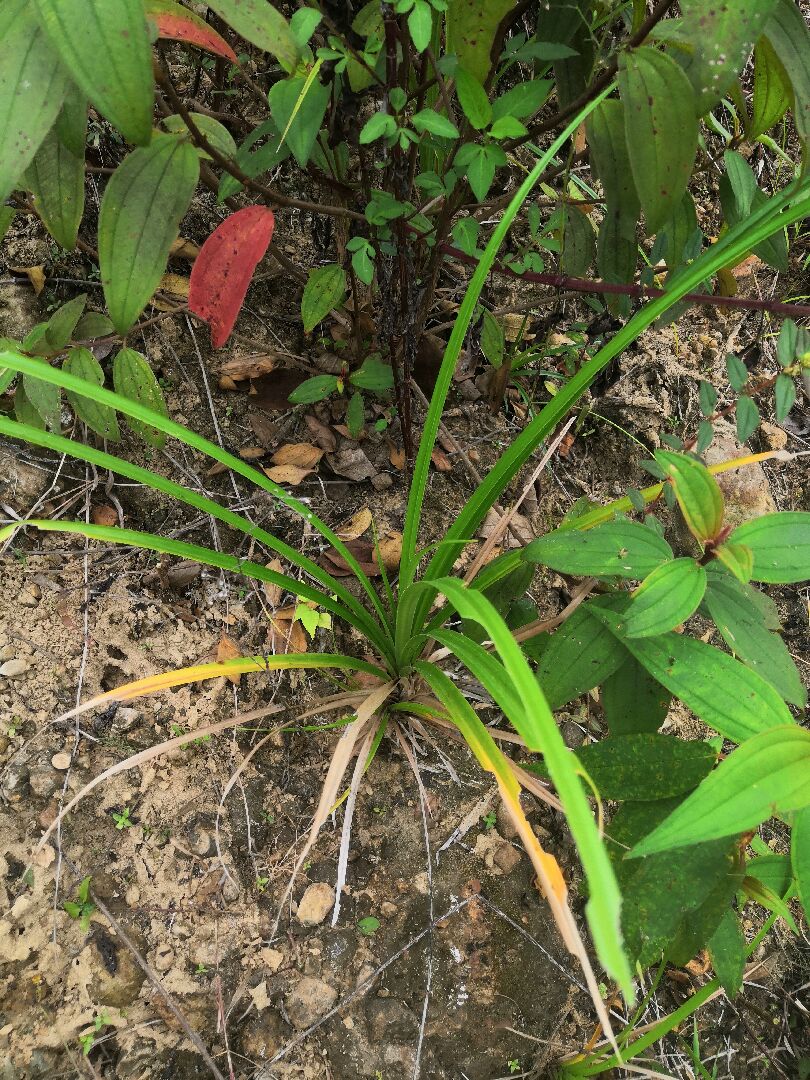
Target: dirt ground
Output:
[(444, 962)]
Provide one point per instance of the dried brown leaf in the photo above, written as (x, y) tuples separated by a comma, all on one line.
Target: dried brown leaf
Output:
[(273, 593), (251, 453), (248, 367), (303, 455), (227, 649), (355, 526), (35, 274), (441, 461), (396, 456), (353, 464), (105, 515), (322, 435), (183, 249), (288, 474)]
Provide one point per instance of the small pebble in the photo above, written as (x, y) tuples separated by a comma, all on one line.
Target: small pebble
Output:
[(14, 668), (316, 903), (61, 761)]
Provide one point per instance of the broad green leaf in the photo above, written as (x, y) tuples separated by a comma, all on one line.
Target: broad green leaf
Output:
[(733, 608), (217, 134), (133, 378), (45, 399), (56, 179), (254, 162), (71, 123), (33, 85), (355, 415), (661, 130), (582, 653), (493, 341), (678, 231), (315, 389), (708, 398), (780, 544), (99, 418), (258, 22), (774, 871), (91, 326), (800, 856), (646, 767), (373, 375), (720, 38), (727, 953), (578, 242), (773, 94), (784, 396), (473, 99), (105, 47), (298, 111), (633, 701), (479, 164), (747, 417), (765, 776), (617, 249), (665, 599), (420, 24), (6, 217), (522, 100), (669, 901), (24, 411), (725, 694), (739, 195), (699, 496), (432, 122), (737, 558), (141, 210), (789, 37), (62, 324), (572, 74), (737, 371), (323, 291), (620, 548), (470, 26)]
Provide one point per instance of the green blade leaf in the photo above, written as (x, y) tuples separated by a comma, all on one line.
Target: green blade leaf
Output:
[(106, 49), (720, 39), (582, 653), (788, 35), (633, 701), (732, 607), (660, 128), (765, 776), (699, 496), (323, 291), (63, 322), (71, 123), (258, 22), (56, 179), (665, 599), (780, 544), (33, 85), (99, 418), (800, 856), (646, 766), (141, 210), (623, 549), (535, 723), (773, 93), (784, 396), (133, 378), (725, 694)]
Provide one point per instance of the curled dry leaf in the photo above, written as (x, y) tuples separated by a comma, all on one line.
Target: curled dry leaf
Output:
[(353, 464), (226, 383), (273, 593), (227, 649), (519, 532), (441, 461), (176, 23), (285, 633), (248, 367), (355, 526), (105, 515), (322, 435), (390, 549), (35, 274), (184, 249), (302, 455), (396, 456), (263, 428), (288, 474), (224, 267)]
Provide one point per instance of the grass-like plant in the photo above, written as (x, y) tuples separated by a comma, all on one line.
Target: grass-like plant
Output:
[(401, 622)]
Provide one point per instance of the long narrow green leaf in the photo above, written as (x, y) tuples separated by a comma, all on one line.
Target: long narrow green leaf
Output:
[(353, 611), (17, 362), (791, 205), (413, 514), (535, 723)]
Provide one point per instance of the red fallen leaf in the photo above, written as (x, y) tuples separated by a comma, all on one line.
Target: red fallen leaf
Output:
[(175, 22), (224, 267)]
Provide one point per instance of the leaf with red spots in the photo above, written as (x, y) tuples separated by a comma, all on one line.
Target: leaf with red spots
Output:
[(178, 23), (224, 267)]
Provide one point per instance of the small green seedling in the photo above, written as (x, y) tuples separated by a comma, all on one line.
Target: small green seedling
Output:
[(82, 907), (122, 820), (368, 926)]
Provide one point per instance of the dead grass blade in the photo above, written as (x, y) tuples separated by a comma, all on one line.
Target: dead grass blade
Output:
[(348, 817)]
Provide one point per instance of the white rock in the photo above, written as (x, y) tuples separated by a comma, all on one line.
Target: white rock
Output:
[(316, 903), (13, 668)]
